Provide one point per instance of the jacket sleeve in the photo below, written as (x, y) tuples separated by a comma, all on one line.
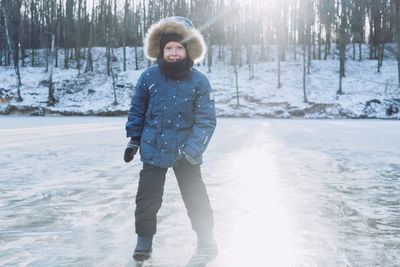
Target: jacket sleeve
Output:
[(204, 121), (138, 108)]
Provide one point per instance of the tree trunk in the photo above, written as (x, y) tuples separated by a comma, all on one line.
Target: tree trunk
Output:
[(304, 73), (68, 26), (342, 46), (66, 52), (340, 90), (114, 80), (396, 5), (32, 35), (370, 38), (78, 38), (293, 26), (56, 57), (237, 83), (398, 67), (327, 42), (319, 42), (47, 58), (22, 48), (89, 61), (8, 57), (57, 45), (313, 45), (136, 58), (308, 48), (125, 35), (124, 57), (279, 66), (398, 49), (13, 49), (108, 41), (108, 56), (381, 48), (51, 100), (309, 37), (32, 57), (279, 43)]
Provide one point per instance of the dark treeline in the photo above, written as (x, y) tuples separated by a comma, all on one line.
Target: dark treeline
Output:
[(304, 28)]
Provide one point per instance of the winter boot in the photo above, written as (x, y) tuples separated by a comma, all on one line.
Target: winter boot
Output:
[(143, 248)]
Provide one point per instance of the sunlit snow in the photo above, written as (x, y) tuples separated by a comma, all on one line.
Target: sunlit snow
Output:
[(367, 93)]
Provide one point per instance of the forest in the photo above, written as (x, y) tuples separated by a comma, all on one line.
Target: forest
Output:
[(68, 30)]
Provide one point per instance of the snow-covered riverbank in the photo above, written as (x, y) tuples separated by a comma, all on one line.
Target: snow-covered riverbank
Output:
[(367, 93)]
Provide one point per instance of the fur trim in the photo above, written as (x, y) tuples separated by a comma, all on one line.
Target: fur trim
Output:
[(193, 38)]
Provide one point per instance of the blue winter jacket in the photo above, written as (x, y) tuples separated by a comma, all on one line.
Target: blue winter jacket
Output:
[(171, 115)]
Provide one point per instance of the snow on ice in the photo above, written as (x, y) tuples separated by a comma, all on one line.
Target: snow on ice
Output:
[(289, 193)]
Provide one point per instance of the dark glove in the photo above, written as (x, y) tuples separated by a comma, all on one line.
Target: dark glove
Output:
[(131, 150), (184, 155)]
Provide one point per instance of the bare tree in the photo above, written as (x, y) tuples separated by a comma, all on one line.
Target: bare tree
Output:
[(12, 19), (138, 34), (278, 30), (357, 21), (89, 60), (379, 39), (33, 30), (342, 44), (58, 29), (396, 5), (327, 11), (303, 36), (396, 19), (68, 30), (78, 38), (51, 99), (309, 22), (108, 37), (126, 32)]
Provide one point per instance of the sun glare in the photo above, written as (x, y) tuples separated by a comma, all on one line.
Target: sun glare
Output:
[(261, 226)]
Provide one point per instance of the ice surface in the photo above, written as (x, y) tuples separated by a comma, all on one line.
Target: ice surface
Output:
[(284, 193)]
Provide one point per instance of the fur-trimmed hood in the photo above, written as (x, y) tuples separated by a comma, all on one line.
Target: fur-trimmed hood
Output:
[(191, 37)]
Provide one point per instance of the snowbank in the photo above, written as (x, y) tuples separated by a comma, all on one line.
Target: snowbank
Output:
[(367, 93)]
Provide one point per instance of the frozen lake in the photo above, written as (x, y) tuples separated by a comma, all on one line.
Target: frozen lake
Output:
[(284, 193)]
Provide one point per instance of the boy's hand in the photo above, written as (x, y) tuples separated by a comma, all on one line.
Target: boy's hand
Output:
[(131, 150), (184, 155)]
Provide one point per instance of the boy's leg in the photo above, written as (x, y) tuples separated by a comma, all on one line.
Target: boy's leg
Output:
[(149, 199), (195, 197)]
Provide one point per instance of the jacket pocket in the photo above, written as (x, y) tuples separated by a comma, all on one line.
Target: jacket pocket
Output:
[(147, 143)]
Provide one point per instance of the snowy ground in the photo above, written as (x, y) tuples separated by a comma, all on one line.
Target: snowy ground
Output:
[(286, 192), (367, 93)]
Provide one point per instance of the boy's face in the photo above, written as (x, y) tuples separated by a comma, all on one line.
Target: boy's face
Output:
[(174, 51)]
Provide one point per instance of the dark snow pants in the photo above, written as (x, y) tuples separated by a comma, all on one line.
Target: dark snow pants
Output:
[(193, 191)]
